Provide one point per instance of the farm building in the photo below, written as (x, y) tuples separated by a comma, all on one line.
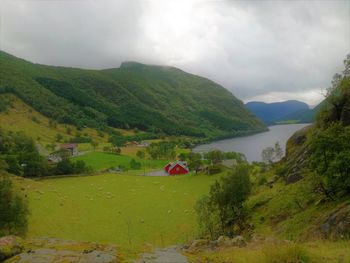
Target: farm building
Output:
[(72, 148), (176, 168)]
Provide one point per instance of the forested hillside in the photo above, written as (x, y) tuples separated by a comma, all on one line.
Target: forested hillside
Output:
[(150, 98), (271, 113), (303, 116)]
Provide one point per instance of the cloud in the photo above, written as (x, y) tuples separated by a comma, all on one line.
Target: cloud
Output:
[(256, 49)]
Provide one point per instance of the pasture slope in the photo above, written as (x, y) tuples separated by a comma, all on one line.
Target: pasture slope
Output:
[(136, 212)]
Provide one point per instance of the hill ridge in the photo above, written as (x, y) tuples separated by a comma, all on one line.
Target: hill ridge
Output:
[(167, 101)]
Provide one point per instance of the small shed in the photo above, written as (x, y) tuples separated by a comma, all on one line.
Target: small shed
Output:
[(72, 148)]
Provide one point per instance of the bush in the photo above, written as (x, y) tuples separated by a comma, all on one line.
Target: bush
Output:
[(66, 166), (213, 169), (21, 155), (135, 165), (162, 150), (13, 209), (223, 211), (330, 159), (80, 139), (262, 180)]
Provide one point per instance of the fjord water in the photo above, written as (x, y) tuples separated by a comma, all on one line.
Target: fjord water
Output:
[(251, 146)]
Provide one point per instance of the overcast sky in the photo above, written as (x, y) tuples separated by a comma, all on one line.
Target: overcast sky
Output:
[(259, 50)]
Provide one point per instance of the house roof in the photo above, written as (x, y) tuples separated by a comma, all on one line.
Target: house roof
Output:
[(182, 164), (69, 145)]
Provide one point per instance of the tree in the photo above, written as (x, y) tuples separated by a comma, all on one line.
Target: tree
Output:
[(162, 150), (182, 157), (278, 151), (94, 145), (140, 154), (13, 209), (21, 155), (117, 141), (69, 130), (58, 137), (226, 203), (330, 159), (135, 165), (215, 157), (194, 161), (64, 167), (272, 154)]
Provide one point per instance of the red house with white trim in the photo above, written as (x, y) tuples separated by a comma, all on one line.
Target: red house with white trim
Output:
[(176, 168)]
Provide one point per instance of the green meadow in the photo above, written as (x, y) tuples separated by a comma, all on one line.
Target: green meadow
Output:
[(102, 161), (127, 209)]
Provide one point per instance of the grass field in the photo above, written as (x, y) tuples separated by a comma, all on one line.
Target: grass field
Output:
[(102, 161), (128, 210), (279, 252)]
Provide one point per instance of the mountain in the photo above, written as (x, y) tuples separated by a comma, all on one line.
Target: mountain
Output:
[(302, 116), (147, 97), (270, 113)]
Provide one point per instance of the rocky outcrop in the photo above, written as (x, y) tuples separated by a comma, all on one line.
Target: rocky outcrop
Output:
[(222, 241), (335, 225), (165, 255), (296, 158), (62, 251), (10, 246)]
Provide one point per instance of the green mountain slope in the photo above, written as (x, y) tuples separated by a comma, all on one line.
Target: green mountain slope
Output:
[(303, 116), (271, 113), (153, 98)]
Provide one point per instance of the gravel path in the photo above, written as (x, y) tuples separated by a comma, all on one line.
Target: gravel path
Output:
[(166, 255)]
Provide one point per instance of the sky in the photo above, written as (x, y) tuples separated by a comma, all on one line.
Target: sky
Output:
[(259, 50)]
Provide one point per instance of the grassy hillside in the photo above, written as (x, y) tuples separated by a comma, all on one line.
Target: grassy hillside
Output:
[(18, 116), (152, 98), (278, 252)]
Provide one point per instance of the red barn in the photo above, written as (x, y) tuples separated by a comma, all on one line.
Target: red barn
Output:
[(175, 168)]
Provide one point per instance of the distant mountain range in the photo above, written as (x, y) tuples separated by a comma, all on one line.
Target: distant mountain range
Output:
[(290, 111), (157, 99)]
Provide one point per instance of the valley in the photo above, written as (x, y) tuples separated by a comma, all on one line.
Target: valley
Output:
[(82, 187)]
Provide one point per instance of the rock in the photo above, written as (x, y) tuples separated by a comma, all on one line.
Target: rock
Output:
[(10, 246), (257, 238), (166, 255), (64, 251), (197, 245), (336, 225), (293, 178), (60, 256), (224, 241), (238, 241)]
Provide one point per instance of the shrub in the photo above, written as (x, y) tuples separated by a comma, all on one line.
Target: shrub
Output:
[(262, 180), (223, 211), (135, 165), (21, 155), (80, 139), (330, 159), (13, 209), (66, 166)]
